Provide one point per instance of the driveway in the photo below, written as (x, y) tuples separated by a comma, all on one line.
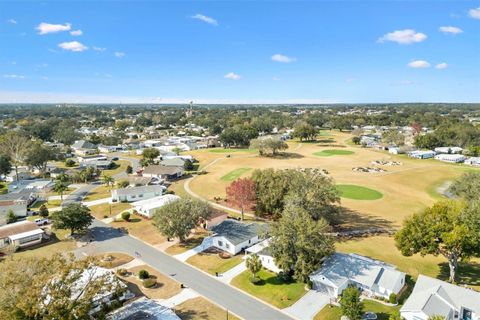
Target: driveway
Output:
[(309, 305), (108, 239), (79, 194)]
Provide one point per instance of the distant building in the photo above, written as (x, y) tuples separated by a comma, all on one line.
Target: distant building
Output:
[(448, 150), (83, 148), (34, 185), (452, 158), (19, 209), (20, 234), (148, 207), (420, 154), (163, 172), (473, 161)]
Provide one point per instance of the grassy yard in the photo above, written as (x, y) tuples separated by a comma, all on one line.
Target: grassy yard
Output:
[(334, 313), (101, 210), (271, 290), (212, 263), (99, 192), (113, 259), (122, 166), (235, 174), (231, 150), (333, 152), (190, 243), (355, 192), (3, 187), (202, 309), (141, 228)]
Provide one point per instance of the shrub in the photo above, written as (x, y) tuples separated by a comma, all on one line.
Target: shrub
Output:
[(309, 284), (149, 283), (392, 298), (105, 216), (69, 163), (255, 280), (143, 274), (122, 272), (126, 216), (43, 211)]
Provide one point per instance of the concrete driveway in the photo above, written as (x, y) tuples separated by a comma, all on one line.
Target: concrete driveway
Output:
[(309, 305), (108, 239)]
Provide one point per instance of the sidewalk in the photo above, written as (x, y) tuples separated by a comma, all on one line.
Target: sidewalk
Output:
[(184, 295), (228, 276)]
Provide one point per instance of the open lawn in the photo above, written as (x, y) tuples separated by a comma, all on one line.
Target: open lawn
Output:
[(195, 240), (231, 150), (121, 167), (383, 248), (99, 192), (141, 228), (271, 289), (354, 192), (102, 211), (202, 309), (235, 174), (333, 152), (212, 263), (334, 313)]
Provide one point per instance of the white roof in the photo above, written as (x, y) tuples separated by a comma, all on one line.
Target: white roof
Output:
[(155, 202), (25, 234), (143, 308), (450, 156)]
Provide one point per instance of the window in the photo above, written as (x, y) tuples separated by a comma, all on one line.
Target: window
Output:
[(227, 246), (220, 243), (29, 239), (140, 195), (134, 196)]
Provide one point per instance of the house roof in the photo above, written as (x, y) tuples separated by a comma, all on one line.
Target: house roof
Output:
[(435, 297), (83, 144), (17, 228), (237, 232), (156, 202), (261, 248), (143, 308), (23, 195), (175, 162), (156, 169), (137, 180), (138, 190), (26, 234), (340, 268)]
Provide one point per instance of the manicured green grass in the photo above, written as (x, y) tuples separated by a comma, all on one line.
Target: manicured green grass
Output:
[(121, 167), (355, 192), (334, 313), (212, 263), (271, 290), (231, 150), (333, 152), (235, 174), (3, 188)]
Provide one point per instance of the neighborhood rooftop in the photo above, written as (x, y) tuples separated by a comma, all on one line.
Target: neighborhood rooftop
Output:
[(157, 169), (17, 228), (237, 232), (139, 190)]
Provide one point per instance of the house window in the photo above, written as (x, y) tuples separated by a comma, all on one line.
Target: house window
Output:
[(249, 241), (140, 195), (227, 246), (29, 239), (133, 197), (220, 243)]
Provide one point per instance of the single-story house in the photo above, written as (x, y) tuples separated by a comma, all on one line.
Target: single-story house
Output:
[(20, 234), (173, 162), (137, 193), (420, 154), (147, 208), (373, 277), (262, 249), (435, 297), (97, 164), (234, 236), (452, 158), (103, 148), (55, 172), (91, 158), (448, 150), (143, 308), (473, 161), (162, 172), (27, 196), (35, 185), (83, 148), (19, 209), (23, 174)]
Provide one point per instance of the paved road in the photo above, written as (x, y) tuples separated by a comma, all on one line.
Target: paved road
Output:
[(79, 194), (108, 239)]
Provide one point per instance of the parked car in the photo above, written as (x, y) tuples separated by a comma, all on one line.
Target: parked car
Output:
[(42, 221)]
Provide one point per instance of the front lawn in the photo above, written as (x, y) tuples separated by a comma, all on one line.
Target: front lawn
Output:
[(272, 289), (192, 242), (201, 308), (234, 174), (102, 211), (334, 313), (121, 167), (212, 263), (355, 192), (141, 228), (99, 192), (59, 244)]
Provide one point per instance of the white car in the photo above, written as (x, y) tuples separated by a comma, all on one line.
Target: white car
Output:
[(42, 221)]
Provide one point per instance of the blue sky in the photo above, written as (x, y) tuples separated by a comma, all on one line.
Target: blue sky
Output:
[(240, 51)]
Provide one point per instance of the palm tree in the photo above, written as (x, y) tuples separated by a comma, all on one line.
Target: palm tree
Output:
[(108, 181), (60, 187)]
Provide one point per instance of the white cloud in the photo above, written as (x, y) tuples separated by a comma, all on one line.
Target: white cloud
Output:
[(13, 76), (100, 49), (232, 76), (474, 13), (407, 36), (451, 30), (76, 33), (441, 66), (276, 79), (206, 19), (419, 64), (45, 28), (12, 21), (281, 58), (119, 54), (42, 65), (74, 46), (13, 62)]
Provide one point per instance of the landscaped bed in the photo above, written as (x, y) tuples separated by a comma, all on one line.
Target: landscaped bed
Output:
[(333, 152), (355, 192), (113, 260), (334, 313), (271, 289), (210, 261), (235, 174)]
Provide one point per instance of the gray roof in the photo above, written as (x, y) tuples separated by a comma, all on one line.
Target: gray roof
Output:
[(155, 169), (23, 195), (141, 309), (82, 144), (175, 162), (237, 232), (137, 180), (435, 297), (139, 190)]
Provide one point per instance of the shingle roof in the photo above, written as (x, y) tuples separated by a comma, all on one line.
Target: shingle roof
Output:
[(139, 190), (238, 232), (156, 169), (82, 144), (143, 308), (16, 228), (176, 162)]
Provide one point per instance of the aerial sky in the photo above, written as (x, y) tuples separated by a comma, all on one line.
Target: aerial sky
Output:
[(240, 51)]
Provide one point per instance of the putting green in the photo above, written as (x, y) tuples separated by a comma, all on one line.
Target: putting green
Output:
[(235, 174), (354, 192), (333, 152)]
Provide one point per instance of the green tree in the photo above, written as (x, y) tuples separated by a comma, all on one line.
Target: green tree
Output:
[(60, 187), (129, 169), (43, 211), (11, 217), (15, 146), (66, 134), (299, 243), (123, 183), (38, 156), (305, 131), (268, 145), (395, 315), (237, 136), (188, 165), (5, 165), (108, 181), (393, 137), (448, 228), (254, 265), (149, 155), (87, 174), (350, 303), (467, 186), (74, 217), (179, 217)]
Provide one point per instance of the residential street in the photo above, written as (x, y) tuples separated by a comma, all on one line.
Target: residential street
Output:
[(108, 239), (79, 194)]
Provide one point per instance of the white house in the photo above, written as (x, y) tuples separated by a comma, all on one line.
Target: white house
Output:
[(136, 193), (143, 308), (473, 161), (163, 172), (103, 148), (147, 208), (448, 150), (452, 158), (263, 252), (373, 277), (91, 158), (435, 297), (420, 154), (82, 147), (35, 185), (233, 236), (20, 234), (19, 209)]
